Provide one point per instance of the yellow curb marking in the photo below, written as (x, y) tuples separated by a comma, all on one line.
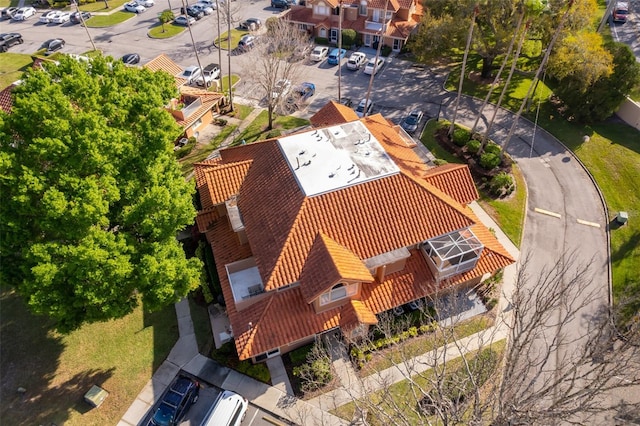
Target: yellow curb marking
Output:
[(548, 213), (584, 222)]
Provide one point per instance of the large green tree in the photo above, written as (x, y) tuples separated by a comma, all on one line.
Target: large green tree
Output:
[(92, 197), (590, 100)]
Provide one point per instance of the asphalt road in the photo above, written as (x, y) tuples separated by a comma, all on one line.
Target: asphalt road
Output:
[(628, 32)]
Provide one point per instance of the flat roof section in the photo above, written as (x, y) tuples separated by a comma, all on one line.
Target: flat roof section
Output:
[(324, 160)]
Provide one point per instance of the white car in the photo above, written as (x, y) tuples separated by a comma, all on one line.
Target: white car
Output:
[(146, 3), (24, 13), (361, 110), (280, 89), (184, 20), (46, 17), (134, 7), (191, 73), (356, 60), (213, 4), (61, 18), (319, 53), (206, 9), (373, 67)]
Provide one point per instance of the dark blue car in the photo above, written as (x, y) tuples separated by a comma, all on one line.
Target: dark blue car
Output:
[(176, 402), (335, 56)]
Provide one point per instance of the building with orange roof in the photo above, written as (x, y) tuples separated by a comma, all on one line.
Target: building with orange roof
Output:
[(195, 108), (393, 20), (327, 228)]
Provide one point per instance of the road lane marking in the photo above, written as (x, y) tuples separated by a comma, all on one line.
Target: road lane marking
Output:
[(548, 213), (585, 222)]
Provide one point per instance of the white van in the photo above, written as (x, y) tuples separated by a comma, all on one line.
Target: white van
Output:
[(228, 410)]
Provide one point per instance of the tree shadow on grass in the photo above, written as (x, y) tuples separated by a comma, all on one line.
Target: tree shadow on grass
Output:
[(30, 355)]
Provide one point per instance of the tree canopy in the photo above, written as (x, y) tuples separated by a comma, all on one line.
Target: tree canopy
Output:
[(92, 195)]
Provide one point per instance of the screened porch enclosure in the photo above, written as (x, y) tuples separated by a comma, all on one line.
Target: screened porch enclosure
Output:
[(453, 253)]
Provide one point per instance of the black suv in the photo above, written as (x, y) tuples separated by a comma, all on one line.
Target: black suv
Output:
[(9, 39), (176, 402), (76, 17), (193, 12)]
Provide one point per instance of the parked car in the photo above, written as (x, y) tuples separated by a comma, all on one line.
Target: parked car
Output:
[(23, 14), (361, 110), (184, 20), (213, 4), (194, 12), (211, 72), (175, 403), (228, 409), (131, 59), (281, 88), (335, 56), (146, 3), (356, 60), (9, 39), (8, 12), (246, 42), (53, 46), (61, 18), (134, 7), (280, 4), (46, 17), (319, 53), (299, 95), (76, 17), (251, 24), (373, 66), (346, 102), (411, 122), (620, 12), (191, 73), (207, 10)]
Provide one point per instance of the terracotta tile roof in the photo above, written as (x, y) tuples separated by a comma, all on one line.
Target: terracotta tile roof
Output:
[(380, 4), (455, 180), (206, 218), (333, 113), (219, 181), (164, 63), (327, 264), (355, 313), (288, 233), (6, 100)]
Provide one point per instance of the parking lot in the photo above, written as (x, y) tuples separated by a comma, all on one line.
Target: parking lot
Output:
[(208, 394)]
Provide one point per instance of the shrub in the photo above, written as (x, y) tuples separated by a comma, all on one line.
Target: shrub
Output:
[(314, 374), (204, 282), (348, 38), (473, 146), (500, 183), (322, 40), (493, 148), (385, 51), (220, 122), (186, 150), (271, 23), (489, 161), (440, 162), (461, 136)]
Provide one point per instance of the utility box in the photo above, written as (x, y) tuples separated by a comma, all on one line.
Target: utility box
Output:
[(622, 218), (95, 396)]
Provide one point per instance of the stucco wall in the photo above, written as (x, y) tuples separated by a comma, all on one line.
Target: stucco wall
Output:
[(629, 112)]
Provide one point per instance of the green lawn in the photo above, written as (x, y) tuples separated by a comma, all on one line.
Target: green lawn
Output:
[(99, 5), (56, 370), (257, 130), (202, 151), (12, 65), (101, 21), (612, 156), (223, 40), (225, 83), (406, 394), (170, 30)]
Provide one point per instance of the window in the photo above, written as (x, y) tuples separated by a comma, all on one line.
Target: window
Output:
[(321, 9), (396, 45), (362, 10), (322, 33), (333, 35), (338, 292), (376, 15), (389, 15)]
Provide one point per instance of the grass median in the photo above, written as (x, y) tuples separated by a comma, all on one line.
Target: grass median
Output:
[(101, 21), (166, 31)]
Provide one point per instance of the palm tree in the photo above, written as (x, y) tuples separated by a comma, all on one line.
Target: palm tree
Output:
[(534, 82), (464, 64)]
